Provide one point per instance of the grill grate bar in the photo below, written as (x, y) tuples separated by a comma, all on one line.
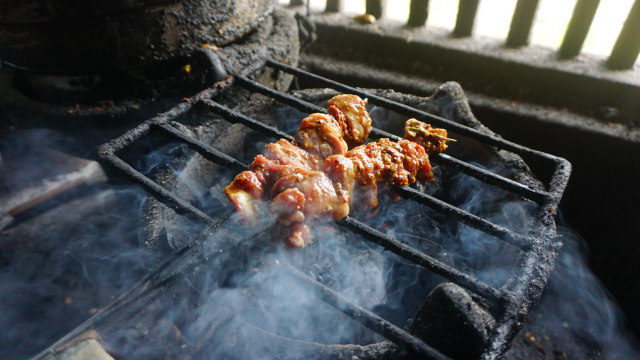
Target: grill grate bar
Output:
[(368, 232), (513, 300), (207, 151), (539, 197), (371, 320), (280, 96), (410, 111), (426, 261), (180, 109), (488, 177), (236, 117), (521, 241), (180, 206)]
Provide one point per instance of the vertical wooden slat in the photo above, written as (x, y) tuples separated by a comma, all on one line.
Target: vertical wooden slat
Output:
[(375, 8), (467, 10), (418, 12), (578, 28), (627, 47), (333, 6), (521, 23)]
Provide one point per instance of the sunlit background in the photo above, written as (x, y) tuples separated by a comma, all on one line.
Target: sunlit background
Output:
[(494, 18)]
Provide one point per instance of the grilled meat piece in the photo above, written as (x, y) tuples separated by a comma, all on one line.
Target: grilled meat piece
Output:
[(279, 160), (381, 162), (301, 198), (433, 140), (347, 124), (358, 121), (319, 136), (351, 179), (243, 192)]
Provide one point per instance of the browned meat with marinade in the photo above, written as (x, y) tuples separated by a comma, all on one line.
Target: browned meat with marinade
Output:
[(317, 176), (356, 116), (359, 171), (295, 169), (279, 160), (320, 135), (433, 140), (301, 198)]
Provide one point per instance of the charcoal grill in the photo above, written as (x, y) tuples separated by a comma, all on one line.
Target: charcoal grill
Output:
[(509, 304)]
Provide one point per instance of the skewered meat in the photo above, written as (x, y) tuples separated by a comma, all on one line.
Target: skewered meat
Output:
[(318, 136), (381, 162), (316, 176), (359, 171), (433, 140), (280, 160), (350, 179)]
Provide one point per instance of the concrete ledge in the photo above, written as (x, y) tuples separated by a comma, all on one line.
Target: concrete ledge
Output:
[(531, 74)]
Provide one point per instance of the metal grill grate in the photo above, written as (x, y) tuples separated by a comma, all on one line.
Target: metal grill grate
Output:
[(510, 304)]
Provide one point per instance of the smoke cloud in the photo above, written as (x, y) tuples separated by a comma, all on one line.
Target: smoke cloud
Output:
[(235, 295)]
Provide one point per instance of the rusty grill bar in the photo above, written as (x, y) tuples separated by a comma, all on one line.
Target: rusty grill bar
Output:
[(508, 303)]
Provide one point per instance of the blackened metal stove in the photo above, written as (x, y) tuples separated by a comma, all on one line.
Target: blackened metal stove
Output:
[(125, 93), (83, 108), (509, 302), (90, 37)]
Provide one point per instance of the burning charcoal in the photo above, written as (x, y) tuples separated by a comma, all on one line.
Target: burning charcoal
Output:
[(448, 315), (84, 346)]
